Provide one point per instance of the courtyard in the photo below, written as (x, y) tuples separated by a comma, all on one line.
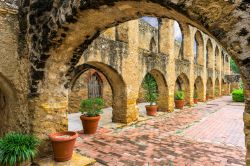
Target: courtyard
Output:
[(192, 136)]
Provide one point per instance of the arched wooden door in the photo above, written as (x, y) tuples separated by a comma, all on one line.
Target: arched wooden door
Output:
[(94, 86)]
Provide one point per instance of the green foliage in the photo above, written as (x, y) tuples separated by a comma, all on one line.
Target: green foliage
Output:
[(16, 148), (195, 95), (179, 95), (92, 107), (238, 95), (234, 67), (150, 85), (216, 92)]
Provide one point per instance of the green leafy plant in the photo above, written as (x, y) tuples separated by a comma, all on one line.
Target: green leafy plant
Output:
[(91, 107), (179, 95), (16, 148), (238, 95), (216, 92), (150, 85), (195, 95)]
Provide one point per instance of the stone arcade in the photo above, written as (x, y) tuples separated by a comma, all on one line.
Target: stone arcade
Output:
[(47, 45)]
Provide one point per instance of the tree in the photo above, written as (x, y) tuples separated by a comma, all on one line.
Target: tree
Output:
[(234, 67)]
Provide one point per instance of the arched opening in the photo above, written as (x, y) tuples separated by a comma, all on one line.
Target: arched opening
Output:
[(182, 84), (97, 27), (217, 88), (224, 88), (217, 59), (199, 88), (178, 38), (101, 81), (162, 90), (209, 91), (209, 54), (198, 49)]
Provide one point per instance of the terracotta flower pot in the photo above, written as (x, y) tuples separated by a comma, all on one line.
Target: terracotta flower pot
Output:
[(90, 124), (195, 100), (151, 110), (63, 145), (179, 104)]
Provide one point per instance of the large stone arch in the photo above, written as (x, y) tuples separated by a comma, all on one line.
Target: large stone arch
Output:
[(209, 91), (182, 83), (8, 106), (116, 82), (199, 88), (224, 24)]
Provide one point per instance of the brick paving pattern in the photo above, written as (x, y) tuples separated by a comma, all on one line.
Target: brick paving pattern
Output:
[(206, 135)]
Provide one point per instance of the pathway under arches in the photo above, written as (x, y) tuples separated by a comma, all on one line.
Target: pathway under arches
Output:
[(209, 93)]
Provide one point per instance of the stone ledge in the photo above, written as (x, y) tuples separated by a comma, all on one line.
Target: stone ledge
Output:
[(77, 160)]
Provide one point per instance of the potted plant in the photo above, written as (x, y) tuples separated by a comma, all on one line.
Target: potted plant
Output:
[(195, 97), (150, 85), (91, 110), (179, 99), (63, 145), (17, 148)]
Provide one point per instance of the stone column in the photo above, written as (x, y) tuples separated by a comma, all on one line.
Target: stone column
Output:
[(212, 54), (131, 73), (166, 43), (189, 51), (219, 61), (204, 69)]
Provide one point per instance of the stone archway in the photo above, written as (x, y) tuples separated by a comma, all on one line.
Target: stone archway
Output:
[(209, 54), (199, 89), (199, 57), (217, 88), (182, 83), (117, 85), (209, 91), (219, 23)]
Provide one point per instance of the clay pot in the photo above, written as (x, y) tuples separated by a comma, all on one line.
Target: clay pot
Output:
[(195, 100), (151, 110), (63, 145), (179, 104), (90, 124)]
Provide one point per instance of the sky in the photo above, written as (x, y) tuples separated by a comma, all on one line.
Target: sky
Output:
[(154, 22)]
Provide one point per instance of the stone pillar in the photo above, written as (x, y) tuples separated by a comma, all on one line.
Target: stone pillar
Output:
[(219, 61), (213, 68), (166, 43), (189, 51), (204, 69), (131, 73)]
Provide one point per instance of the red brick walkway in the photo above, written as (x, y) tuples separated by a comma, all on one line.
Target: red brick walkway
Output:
[(178, 139)]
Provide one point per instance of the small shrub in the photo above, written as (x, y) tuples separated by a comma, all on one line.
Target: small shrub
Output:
[(238, 95), (91, 107), (179, 95), (16, 148)]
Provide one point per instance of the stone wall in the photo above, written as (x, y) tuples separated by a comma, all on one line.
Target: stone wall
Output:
[(13, 75)]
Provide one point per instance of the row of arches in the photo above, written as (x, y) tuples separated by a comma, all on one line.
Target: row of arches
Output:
[(118, 87), (201, 41)]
